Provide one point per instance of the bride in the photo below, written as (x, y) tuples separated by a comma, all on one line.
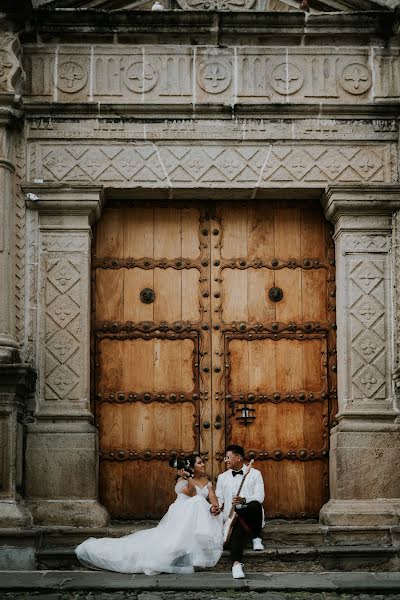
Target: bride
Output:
[(188, 535)]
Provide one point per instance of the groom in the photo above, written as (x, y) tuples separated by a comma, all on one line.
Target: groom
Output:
[(248, 505)]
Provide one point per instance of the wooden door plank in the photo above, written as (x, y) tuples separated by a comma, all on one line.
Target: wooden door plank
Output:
[(314, 295), (234, 296), (260, 308), (312, 233), (167, 233), (136, 280), (168, 290), (190, 218), (234, 239), (260, 231), (110, 295), (190, 295), (109, 241), (138, 232)]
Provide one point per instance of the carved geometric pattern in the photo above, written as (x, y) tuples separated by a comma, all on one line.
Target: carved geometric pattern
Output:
[(63, 326), (162, 165), (367, 328), (63, 276), (367, 243)]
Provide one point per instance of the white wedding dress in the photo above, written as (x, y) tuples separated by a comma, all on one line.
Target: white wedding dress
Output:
[(187, 536)]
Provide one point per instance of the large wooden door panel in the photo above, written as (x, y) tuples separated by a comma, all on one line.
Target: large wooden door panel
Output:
[(273, 278), (234, 344), (150, 332)]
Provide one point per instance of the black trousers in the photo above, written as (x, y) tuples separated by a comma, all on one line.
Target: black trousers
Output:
[(252, 516)]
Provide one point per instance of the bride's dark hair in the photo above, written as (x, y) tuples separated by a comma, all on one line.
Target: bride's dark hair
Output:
[(192, 458)]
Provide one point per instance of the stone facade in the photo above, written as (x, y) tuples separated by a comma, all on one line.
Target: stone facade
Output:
[(174, 105)]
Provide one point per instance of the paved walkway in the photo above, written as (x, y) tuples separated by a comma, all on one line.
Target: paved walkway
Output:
[(101, 585)]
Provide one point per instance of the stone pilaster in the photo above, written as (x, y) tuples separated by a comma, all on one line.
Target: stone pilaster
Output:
[(63, 441), (365, 445)]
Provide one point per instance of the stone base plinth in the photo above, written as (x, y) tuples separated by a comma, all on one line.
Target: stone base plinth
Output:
[(369, 513), (70, 513), (61, 474), (14, 514)]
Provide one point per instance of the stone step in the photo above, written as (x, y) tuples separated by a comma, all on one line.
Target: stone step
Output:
[(279, 559), (142, 587), (288, 547)]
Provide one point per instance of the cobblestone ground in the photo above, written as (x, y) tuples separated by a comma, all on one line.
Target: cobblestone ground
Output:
[(226, 595)]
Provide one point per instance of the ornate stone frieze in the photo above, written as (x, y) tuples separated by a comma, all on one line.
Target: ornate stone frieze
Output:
[(241, 165), (216, 4), (197, 75)]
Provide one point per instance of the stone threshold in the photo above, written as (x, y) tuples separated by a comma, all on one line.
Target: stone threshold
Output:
[(358, 582)]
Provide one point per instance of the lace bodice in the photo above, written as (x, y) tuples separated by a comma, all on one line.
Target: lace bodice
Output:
[(201, 491)]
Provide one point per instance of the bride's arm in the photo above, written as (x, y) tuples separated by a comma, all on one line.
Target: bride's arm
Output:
[(213, 499), (190, 488)]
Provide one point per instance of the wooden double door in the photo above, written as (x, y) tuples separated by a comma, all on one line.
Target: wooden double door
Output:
[(213, 323)]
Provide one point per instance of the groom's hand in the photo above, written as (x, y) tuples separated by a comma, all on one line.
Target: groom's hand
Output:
[(215, 509), (238, 500)]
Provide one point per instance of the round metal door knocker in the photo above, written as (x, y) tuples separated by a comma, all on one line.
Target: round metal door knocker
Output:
[(147, 296), (275, 294)]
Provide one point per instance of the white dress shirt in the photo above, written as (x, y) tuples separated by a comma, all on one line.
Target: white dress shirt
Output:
[(228, 485)]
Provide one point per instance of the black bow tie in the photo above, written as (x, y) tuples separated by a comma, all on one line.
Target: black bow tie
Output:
[(234, 473)]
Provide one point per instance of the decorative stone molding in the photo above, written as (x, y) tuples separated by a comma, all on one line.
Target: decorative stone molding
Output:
[(208, 74), (238, 165), (63, 420)]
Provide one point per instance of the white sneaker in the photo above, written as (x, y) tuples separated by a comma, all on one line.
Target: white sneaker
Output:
[(257, 544), (237, 571)]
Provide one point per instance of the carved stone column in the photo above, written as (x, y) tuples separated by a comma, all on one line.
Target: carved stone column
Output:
[(365, 445), (61, 453), (16, 379), (10, 75)]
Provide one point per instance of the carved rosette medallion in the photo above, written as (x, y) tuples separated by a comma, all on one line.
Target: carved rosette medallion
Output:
[(356, 78), (287, 79), (216, 4), (72, 77), (214, 76), (140, 77)]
